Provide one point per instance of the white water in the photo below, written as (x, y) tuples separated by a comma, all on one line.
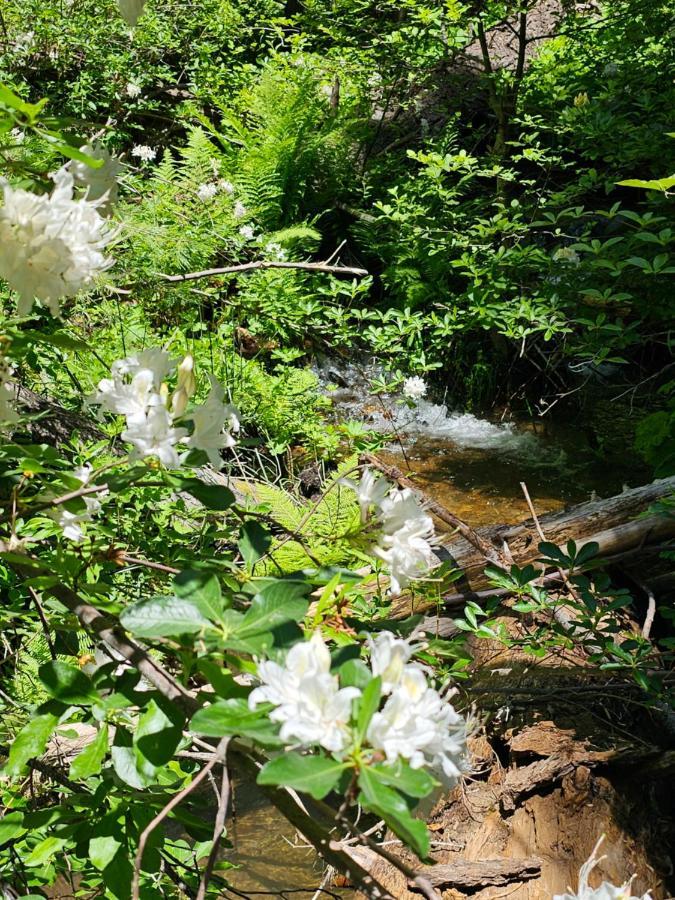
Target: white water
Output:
[(391, 414)]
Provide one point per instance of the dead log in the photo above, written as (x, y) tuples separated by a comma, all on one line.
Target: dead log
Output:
[(464, 873), (617, 524)]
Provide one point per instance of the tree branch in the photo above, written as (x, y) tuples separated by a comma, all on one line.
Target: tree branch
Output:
[(267, 264)]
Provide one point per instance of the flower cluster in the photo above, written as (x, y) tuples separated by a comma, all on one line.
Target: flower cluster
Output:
[(51, 245), (414, 388), (405, 531), (138, 391), (309, 703), (143, 152), (100, 184), (606, 891), (415, 723)]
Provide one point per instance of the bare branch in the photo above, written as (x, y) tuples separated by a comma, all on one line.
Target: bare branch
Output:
[(267, 264), (217, 830), (172, 804)]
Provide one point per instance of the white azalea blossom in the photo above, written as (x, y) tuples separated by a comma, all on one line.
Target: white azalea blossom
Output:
[(239, 210), (214, 421), (310, 705), (370, 491), (388, 658), (133, 90), (101, 183), (154, 435), (207, 191), (406, 531), (138, 391), (143, 152), (416, 724), (414, 388), (247, 232), (226, 186), (71, 523), (606, 891), (83, 473), (51, 246)]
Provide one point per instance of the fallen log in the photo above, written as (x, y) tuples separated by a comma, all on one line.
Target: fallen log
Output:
[(617, 524)]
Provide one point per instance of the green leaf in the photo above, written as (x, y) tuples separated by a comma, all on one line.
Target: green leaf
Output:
[(313, 775), (163, 617), (370, 700), (280, 602), (29, 743), (157, 736), (234, 717), (89, 761), (11, 827), (413, 782), (355, 673), (44, 851), (386, 803), (202, 589), (67, 683), (254, 542), (212, 496), (102, 850)]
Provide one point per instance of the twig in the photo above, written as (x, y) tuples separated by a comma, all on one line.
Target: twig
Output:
[(267, 264), (424, 885), (43, 622), (172, 804), (467, 532), (148, 564), (570, 587), (218, 827), (72, 495)]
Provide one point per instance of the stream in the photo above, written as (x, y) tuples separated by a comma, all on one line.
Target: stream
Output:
[(473, 464)]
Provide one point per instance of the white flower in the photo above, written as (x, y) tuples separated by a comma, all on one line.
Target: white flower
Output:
[(207, 191), (185, 387), (143, 152), (71, 523), (83, 473), (18, 135), (401, 509), (154, 435), (130, 10), (566, 254), (370, 491), (153, 360), (606, 891), (247, 232), (101, 183), (407, 555), (239, 210), (276, 251), (130, 399), (417, 725), (51, 246), (214, 421), (414, 388), (388, 658), (326, 90), (133, 90), (309, 704), (226, 186)]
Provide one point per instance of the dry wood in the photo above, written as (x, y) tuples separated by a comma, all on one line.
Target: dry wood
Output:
[(466, 873), (268, 264)]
